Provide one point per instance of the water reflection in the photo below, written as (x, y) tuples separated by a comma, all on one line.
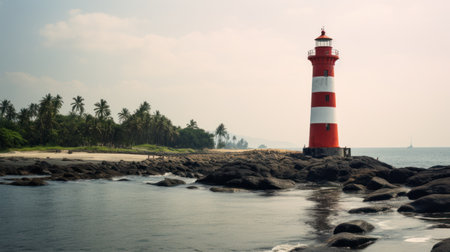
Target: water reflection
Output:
[(326, 202)]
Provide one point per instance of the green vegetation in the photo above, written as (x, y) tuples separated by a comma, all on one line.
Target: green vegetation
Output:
[(40, 126)]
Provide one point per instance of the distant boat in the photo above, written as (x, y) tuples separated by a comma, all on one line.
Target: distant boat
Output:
[(410, 145)]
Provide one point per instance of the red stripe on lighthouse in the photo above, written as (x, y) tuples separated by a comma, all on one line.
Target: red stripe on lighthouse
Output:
[(323, 135), (323, 99)]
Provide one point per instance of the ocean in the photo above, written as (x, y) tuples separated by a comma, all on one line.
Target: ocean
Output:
[(103, 215)]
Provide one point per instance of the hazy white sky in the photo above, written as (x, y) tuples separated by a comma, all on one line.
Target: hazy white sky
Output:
[(243, 63)]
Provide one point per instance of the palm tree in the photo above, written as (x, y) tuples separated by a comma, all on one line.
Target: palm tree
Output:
[(78, 105), (124, 115), (57, 104), (221, 131), (102, 110), (144, 108), (34, 110), (3, 106), (192, 124), (24, 117), (10, 113)]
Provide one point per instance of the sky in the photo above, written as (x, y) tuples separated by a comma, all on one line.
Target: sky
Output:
[(238, 62)]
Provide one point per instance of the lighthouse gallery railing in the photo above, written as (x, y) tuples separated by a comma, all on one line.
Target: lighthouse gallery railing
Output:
[(333, 52)]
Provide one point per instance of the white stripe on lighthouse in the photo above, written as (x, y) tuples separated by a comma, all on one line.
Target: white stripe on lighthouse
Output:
[(323, 84), (323, 115)]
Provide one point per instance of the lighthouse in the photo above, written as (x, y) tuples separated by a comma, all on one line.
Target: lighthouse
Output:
[(323, 130)]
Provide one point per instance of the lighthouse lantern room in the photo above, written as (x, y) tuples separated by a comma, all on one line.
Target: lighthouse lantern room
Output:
[(323, 133)]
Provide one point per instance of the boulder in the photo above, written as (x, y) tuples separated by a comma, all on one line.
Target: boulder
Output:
[(385, 194), (434, 203), (437, 186), (276, 184), (29, 182), (170, 182), (377, 183), (192, 187), (370, 209), (402, 174), (427, 175), (224, 189), (354, 226), (442, 246), (353, 187), (350, 240)]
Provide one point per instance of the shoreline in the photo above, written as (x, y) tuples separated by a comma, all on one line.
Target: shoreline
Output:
[(428, 190)]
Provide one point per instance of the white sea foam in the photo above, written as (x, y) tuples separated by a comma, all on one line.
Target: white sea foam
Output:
[(417, 239), (288, 247)]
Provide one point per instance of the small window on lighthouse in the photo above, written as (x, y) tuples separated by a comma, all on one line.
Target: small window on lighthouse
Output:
[(328, 127), (325, 73), (327, 98)]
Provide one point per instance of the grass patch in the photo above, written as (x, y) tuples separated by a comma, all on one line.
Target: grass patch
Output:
[(157, 148)]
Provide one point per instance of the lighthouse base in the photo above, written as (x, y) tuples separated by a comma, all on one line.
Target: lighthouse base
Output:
[(325, 152)]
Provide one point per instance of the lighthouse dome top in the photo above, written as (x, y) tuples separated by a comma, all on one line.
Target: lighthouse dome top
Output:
[(323, 36), (323, 40)]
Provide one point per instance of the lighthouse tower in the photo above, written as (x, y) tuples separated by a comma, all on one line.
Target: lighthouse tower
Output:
[(323, 132)]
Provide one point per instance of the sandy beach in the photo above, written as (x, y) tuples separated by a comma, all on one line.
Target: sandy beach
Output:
[(85, 156)]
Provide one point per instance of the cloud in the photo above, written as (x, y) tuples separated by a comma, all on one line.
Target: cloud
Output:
[(231, 56)]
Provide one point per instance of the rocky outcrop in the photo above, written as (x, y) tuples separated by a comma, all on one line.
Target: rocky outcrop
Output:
[(442, 246), (350, 240), (354, 226), (427, 175), (434, 203), (438, 186), (29, 182), (369, 209), (225, 189), (353, 188), (168, 182), (385, 194), (377, 183)]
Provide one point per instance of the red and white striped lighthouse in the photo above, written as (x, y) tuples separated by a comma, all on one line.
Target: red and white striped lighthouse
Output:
[(323, 133)]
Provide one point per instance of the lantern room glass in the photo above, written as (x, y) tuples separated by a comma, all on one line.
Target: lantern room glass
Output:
[(323, 42)]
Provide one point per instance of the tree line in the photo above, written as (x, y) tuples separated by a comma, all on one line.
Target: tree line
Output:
[(42, 124)]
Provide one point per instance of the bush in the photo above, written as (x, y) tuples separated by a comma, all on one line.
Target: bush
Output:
[(10, 138)]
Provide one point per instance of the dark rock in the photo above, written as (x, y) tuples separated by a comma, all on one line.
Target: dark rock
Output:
[(434, 203), (192, 187), (385, 194), (377, 183), (29, 182), (224, 189), (170, 182), (123, 179), (402, 174), (438, 186), (440, 225), (353, 188), (350, 240), (275, 183), (370, 209), (323, 172), (354, 226), (427, 175), (442, 246), (39, 169)]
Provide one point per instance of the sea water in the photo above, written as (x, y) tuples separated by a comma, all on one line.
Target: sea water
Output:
[(407, 157), (102, 215)]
